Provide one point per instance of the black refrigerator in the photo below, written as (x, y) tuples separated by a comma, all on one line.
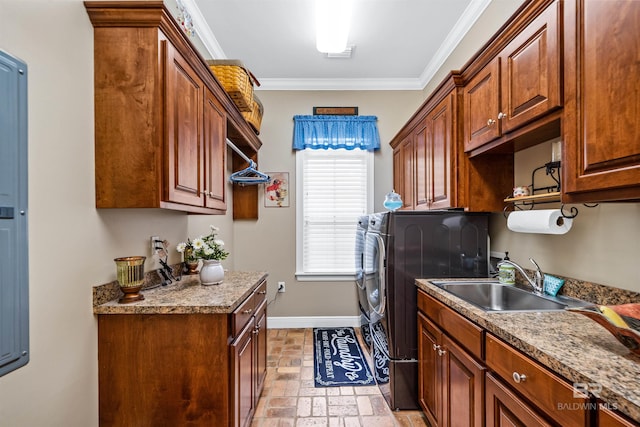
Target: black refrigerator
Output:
[(400, 247)]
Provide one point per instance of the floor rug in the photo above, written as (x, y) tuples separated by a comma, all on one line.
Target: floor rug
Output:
[(338, 359)]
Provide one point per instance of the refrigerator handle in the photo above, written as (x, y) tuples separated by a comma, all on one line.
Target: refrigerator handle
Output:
[(381, 276)]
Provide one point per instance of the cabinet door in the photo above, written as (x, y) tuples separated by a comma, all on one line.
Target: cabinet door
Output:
[(440, 126), (463, 387), (504, 408), (184, 145), (429, 370), (530, 71), (481, 106), (422, 169), (602, 101), (403, 158), (215, 132), (609, 418), (242, 355), (260, 349)]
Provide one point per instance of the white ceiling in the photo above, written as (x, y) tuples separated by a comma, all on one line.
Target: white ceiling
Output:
[(399, 44)]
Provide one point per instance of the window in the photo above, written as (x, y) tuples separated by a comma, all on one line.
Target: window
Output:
[(334, 187)]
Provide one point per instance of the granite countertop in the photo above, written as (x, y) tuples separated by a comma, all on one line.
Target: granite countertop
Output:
[(186, 296), (569, 344)]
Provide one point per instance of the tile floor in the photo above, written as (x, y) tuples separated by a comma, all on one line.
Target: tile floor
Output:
[(290, 399)]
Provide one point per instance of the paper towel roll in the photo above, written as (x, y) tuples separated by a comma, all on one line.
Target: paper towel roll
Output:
[(543, 221)]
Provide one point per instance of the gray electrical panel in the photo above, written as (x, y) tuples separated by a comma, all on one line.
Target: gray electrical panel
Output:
[(14, 262)]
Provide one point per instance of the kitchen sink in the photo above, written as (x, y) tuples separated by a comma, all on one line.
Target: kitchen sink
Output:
[(499, 298)]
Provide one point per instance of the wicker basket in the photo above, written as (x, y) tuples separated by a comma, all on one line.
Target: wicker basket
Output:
[(236, 80), (254, 117)]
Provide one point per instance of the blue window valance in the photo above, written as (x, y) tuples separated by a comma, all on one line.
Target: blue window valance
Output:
[(324, 132)]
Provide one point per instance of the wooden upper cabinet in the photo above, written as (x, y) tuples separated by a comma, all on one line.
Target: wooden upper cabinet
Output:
[(403, 172), (184, 150), (530, 71), (215, 130), (601, 130), (520, 84), (441, 137), (422, 152), (161, 117), (431, 169), (481, 107)]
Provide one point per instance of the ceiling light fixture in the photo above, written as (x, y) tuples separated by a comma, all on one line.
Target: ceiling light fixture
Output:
[(333, 18)]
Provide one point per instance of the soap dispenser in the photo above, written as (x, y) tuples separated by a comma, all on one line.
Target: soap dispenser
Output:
[(506, 272)]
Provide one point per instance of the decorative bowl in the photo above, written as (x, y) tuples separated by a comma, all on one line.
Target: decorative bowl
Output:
[(623, 321)]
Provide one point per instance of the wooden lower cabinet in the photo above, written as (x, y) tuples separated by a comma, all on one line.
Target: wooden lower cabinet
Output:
[(451, 381), (468, 377), (610, 418), (249, 355), (504, 408), (182, 369)]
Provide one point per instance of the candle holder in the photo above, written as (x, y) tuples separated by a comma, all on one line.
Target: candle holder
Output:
[(130, 273)]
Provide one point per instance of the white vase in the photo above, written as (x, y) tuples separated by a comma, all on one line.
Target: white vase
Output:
[(211, 272)]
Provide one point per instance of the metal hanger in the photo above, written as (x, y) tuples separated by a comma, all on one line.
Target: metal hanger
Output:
[(250, 175)]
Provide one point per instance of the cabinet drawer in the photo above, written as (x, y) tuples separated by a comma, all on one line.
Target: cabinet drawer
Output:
[(465, 332), (242, 315), (553, 395), (260, 294)]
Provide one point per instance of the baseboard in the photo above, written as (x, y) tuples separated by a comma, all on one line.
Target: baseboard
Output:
[(312, 322)]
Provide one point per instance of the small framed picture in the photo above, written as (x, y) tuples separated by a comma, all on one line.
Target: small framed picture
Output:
[(276, 192)]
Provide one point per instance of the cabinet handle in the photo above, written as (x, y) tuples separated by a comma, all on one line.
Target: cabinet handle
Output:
[(262, 292), (435, 347), (248, 311), (441, 352), (491, 122), (256, 331), (519, 378), (501, 115)]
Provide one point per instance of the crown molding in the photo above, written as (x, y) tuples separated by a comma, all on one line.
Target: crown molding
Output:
[(459, 30), (340, 84), (463, 25), (203, 31)]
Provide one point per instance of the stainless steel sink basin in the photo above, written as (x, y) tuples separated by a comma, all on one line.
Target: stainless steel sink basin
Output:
[(496, 297)]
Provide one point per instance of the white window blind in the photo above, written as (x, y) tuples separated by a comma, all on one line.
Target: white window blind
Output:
[(334, 189)]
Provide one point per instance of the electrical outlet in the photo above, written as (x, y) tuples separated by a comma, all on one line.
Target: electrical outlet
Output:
[(156, 244), (281, 287)]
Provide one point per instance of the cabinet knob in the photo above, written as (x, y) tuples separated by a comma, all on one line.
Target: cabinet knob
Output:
[(519, 378), (262, 292), (501, 115), (441, 352), (435, 347), (248, 311), (491, 122), (256, 331)]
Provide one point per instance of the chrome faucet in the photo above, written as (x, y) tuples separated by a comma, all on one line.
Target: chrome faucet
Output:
[(538, 277)]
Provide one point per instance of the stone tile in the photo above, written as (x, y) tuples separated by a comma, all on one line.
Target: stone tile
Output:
[(304, 407), (290, 398), (378, 421), (319, 407), (312, 422), (280, 412), (364, 405), (343, 410), (342, 400)]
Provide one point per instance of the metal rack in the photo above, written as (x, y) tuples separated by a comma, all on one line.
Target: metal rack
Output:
[(543, 194)]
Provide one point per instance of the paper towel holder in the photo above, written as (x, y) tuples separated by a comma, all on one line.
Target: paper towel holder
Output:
[(545, 194)]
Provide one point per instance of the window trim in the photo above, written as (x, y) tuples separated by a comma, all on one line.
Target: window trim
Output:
[(301, 275)]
